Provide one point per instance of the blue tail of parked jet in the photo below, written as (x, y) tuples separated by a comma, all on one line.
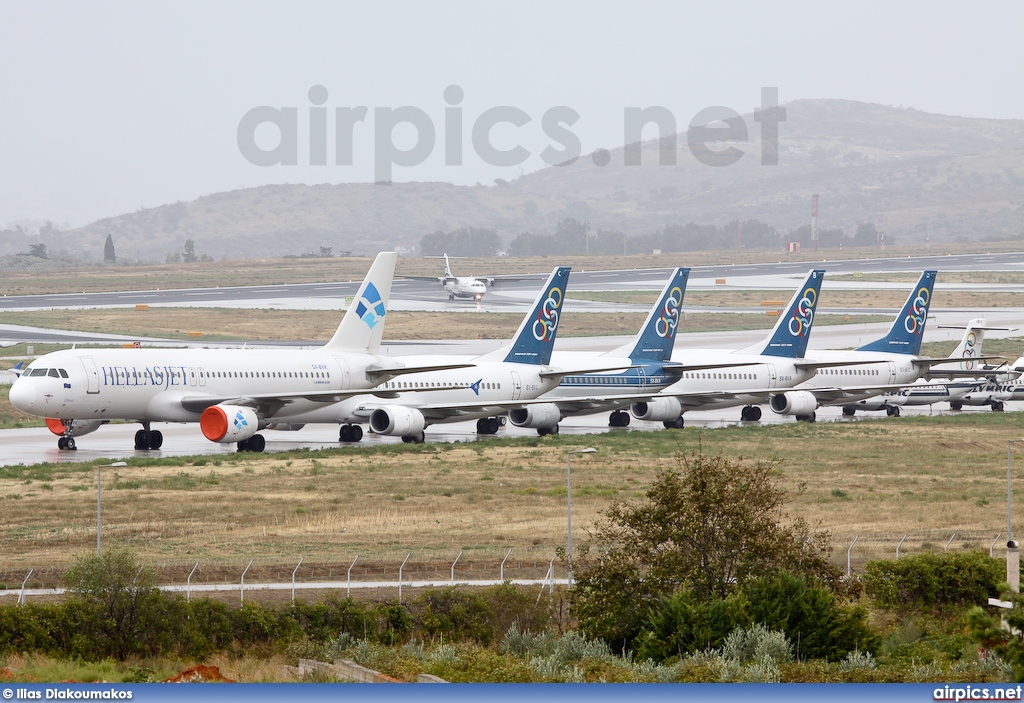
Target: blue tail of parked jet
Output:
[(907, 330), (658, 335), (535, 337), (790, 335)]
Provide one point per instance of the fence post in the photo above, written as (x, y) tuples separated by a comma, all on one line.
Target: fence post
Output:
[(348, 589), (501, 570), (949, 542), (453, 567), (993, 545), (900, 545), (188, 583), (400, 577), (301, 559), (848, 554), (241, 587), (21, 596)]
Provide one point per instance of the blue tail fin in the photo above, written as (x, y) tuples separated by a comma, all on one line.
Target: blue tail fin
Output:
[(658, 335), (790, 335), (536, 335), (907, 329)]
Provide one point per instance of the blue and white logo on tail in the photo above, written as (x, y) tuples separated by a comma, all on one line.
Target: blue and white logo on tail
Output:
[(536, 335), (658, 335), (792, 332), (371, 307), (907, 331)]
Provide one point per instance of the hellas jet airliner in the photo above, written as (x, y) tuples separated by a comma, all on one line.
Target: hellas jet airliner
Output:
[(231, 393)]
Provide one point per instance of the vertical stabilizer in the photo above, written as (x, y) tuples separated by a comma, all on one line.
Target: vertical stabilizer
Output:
[(791, 333), (907, 329), (447, 268), (658, 334), (535, 337), (970, 346), (363, 325)]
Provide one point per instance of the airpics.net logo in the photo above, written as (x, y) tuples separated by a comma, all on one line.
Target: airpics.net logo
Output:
[(711, 136), (371, 306)]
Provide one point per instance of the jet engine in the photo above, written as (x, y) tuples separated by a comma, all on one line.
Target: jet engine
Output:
[(397, 421), (229, 423), (536, 416), (73, 428), (794, 403), (658, 409)]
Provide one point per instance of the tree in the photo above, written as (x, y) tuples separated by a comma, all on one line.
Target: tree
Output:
[(866, 236), (709, 526), (38, 250), (189, 256), (108, 250)]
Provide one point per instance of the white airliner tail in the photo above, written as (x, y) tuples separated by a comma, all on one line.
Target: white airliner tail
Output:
[(362, 327)]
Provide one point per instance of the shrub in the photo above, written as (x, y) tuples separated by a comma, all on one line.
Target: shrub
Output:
[(933, 580), (682, 624)]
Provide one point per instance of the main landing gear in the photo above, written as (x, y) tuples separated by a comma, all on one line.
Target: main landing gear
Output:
[(256, 443), (849, 411), (806, 418), (750, 413), (676, 424), (545, 431), (148, 439), (892, 411), (619, 418), (997, 406), (415, 438), (489, 425), (350, 433)]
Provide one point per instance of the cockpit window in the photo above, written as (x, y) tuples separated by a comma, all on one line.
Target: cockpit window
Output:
[(63, 373), (53, 373), (37, 372)]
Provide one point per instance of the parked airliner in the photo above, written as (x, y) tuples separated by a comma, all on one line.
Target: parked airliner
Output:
[(231, 393)]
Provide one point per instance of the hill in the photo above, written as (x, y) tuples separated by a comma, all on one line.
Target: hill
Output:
[(911, 173)]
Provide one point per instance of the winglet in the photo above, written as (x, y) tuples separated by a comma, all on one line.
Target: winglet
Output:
[(363, 325), (535, 337), (907, 329), (658, 334), (790, 335)]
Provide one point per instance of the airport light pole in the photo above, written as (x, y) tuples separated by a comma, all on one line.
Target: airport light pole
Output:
[(99, 504), (568, 505), (1012, 549)]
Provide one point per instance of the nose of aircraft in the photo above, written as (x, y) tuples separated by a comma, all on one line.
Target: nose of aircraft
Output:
[(23, 396)]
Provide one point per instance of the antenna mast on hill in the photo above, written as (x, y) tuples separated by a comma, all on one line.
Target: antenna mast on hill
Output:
[(814, 221)]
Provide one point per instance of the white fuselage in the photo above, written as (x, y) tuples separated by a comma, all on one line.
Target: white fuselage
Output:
[(921, 393), (464, 287), (888, 370), (486, 382), (150, 384)]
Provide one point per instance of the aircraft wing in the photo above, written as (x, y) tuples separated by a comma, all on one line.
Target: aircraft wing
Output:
[(596, 368), (946, 360), (376, 372), (831, 395), (811, 364)]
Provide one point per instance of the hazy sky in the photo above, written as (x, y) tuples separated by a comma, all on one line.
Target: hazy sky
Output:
[(108, 107)]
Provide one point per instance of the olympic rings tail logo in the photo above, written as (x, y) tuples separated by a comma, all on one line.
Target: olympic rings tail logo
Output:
[(803, 314), (547, 318), (914, 322), (665, 326), (969, 352)]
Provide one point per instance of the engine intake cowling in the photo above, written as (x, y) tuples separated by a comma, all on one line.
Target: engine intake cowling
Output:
[(659, 409), (73, 428), (397, 421), (794, 403), (229, 423), (535, 416)]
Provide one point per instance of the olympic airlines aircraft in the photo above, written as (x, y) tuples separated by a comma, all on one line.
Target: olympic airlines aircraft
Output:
[(231, 393), (459, 286), (963, 361), (718, 378), (494, 381), (888, 363), (646, 364)]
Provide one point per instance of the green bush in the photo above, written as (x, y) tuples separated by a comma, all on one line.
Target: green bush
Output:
[(933, 580), (682, 624)]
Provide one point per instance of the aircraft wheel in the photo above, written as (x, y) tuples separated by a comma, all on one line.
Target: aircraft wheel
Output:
[(676, 424), (618, 419), (451, 296), (806, 418), (345, 434), (62, 443), (140, 440), (755, 413), (257, 443), (156, 439), (997, 407), (355, 433), (955, 405), (243, 446), (493, 425), (848, 411), (892, 411), (69, 444), (501, 420)]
